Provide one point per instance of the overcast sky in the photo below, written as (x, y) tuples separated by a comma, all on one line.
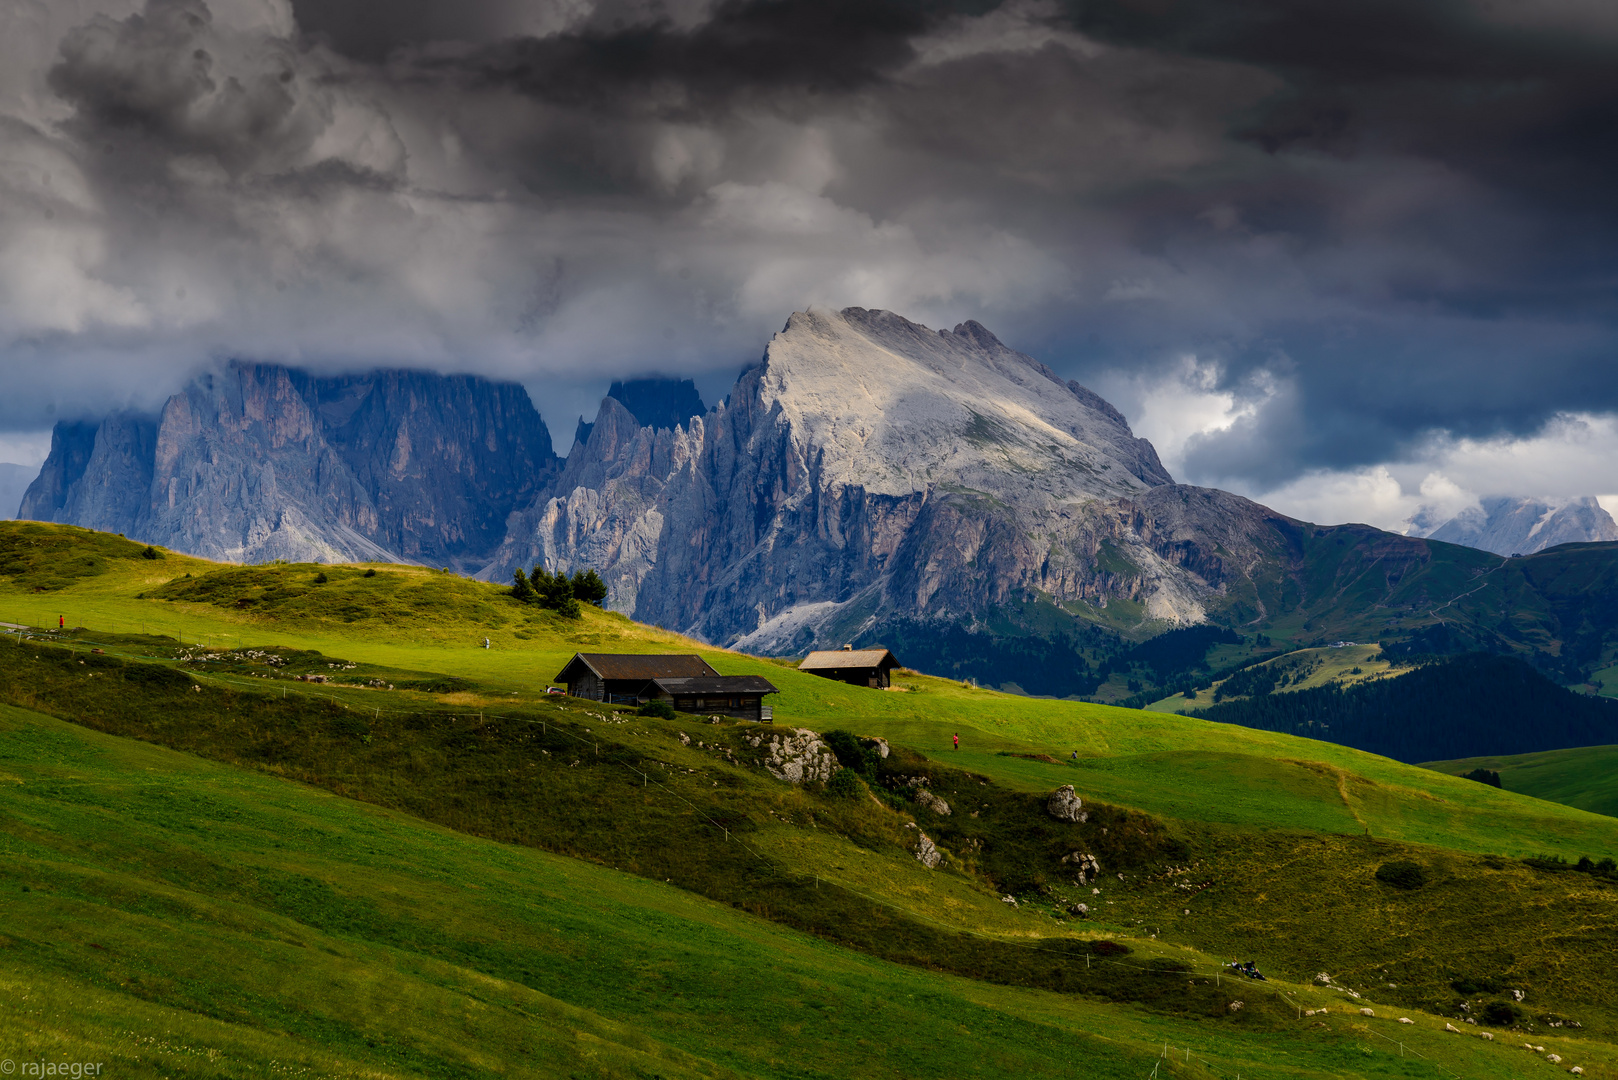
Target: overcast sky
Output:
[(1356, 259)]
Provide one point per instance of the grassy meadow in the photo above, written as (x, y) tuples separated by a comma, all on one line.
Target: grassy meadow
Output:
[(1585, 777), (215, 870)]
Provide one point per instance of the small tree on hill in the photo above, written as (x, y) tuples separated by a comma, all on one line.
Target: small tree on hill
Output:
[(522, 590), (589, 588)]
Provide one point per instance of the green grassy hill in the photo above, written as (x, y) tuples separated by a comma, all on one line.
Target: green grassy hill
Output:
[(445, 876), (1301, 669), (1585, 777)]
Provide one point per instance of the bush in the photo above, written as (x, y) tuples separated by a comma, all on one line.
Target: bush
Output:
[(844, 784), (321, 578), (1501, 1013), (370, 571), (151, 553), (1402, 874), (657, 707), (846, 745), (1483, 776)]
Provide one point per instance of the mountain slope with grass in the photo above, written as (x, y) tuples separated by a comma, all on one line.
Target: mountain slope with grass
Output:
[(1214, 842), (1583, 776), (1494, 704)]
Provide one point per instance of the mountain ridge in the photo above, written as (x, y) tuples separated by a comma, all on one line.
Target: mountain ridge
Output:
[(258, 462)]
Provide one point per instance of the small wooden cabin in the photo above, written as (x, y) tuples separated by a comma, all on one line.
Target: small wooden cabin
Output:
[(624, 678), (857, 667), (684, 681), (741, 696)]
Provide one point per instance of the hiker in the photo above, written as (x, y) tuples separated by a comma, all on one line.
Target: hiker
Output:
[(485, 643), (61, 622), (957, 739)]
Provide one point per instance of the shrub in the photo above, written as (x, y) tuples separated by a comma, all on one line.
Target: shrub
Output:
[(1483, 776), (151, 553), (846, 745), (321, 578), (844, 784), (370, 571), (657, 707), (1501, 1013), (1402, 874)]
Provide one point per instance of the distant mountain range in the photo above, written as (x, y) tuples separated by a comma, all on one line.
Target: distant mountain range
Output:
[(261, 462), (1520, 526), (868, 479)]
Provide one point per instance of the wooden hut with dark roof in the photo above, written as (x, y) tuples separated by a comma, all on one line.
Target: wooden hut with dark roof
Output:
[(857, 667), (687, 682)]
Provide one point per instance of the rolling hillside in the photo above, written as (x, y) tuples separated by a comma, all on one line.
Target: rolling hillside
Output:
[(1584, 776), (476, 875)]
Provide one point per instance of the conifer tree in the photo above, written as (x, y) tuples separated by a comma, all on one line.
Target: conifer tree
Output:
[(589, 588), (522, 590)]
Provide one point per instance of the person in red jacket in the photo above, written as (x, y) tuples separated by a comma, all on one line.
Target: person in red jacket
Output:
[(957, 739)]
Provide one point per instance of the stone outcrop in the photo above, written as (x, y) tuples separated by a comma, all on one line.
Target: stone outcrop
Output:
[(796, 756), (925, 851), (259, 462), (1065, 805), (932, 802)]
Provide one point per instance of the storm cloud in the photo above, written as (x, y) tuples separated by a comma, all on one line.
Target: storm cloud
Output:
[(1308, 248)]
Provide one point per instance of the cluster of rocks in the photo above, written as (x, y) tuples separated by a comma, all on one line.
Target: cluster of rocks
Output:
[(1065, 805), (918, 786), (796, 756), (1088, 867)]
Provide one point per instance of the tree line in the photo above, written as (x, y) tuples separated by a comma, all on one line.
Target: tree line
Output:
[(1475, 705), (557, 592)]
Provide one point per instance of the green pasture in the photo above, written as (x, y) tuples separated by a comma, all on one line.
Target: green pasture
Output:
[(1585, 776), (171, 916), (416, 619)]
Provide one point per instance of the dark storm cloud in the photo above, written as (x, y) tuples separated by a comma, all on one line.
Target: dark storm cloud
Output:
[(1347, 225)]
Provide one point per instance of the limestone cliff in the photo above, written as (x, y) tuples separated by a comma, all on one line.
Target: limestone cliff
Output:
[(260, 462)]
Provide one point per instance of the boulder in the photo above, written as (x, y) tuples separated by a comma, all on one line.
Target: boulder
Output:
[(932, 802), (927, 852), (1065, 805), (1236, 1006), (1367, 1012)]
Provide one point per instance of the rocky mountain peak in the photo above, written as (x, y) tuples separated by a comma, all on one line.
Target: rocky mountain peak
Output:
[(1519, 525), (893, 406), (258, 461)]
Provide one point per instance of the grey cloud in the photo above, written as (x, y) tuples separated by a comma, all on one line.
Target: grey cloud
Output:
[(1402, 212)]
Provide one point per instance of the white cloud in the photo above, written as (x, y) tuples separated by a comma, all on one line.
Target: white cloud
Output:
[(1574, 455), (1190, 402)]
